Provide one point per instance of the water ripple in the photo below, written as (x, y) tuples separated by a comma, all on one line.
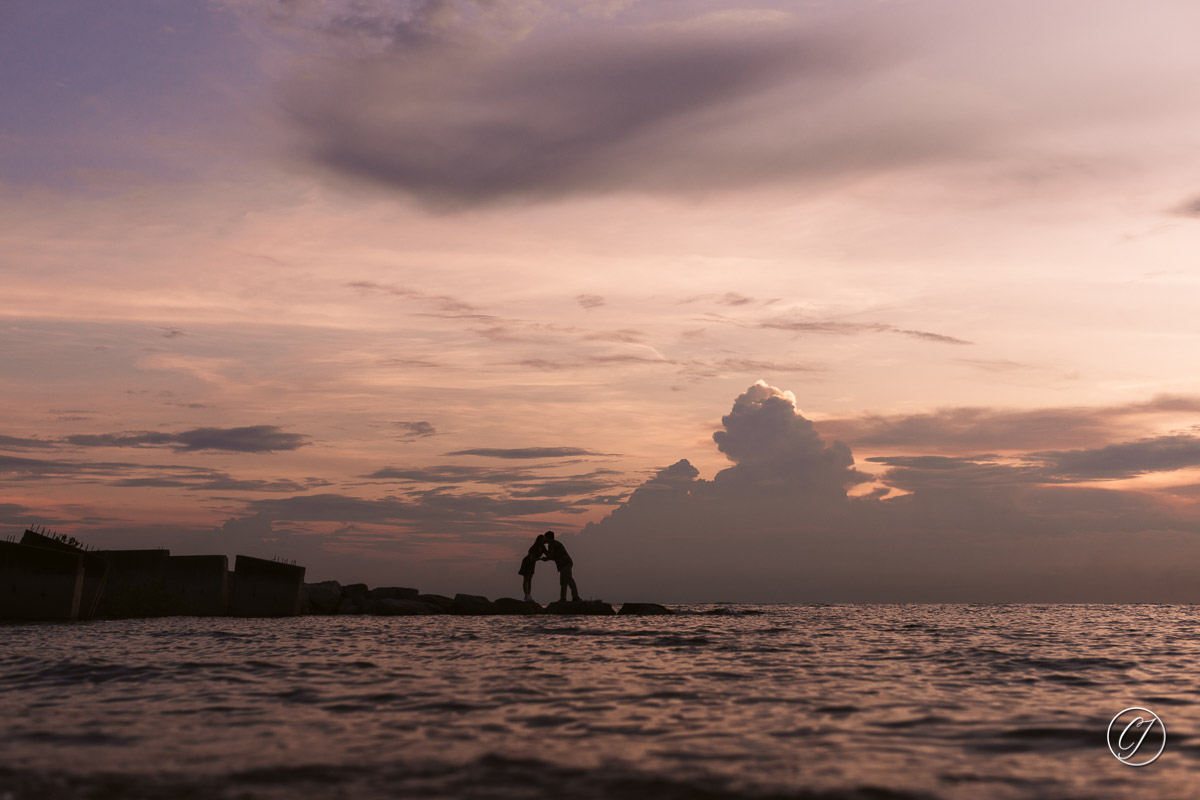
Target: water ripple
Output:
[(821, 701)]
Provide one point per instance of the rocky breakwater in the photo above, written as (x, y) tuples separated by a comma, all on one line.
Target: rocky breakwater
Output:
[(331, 597)]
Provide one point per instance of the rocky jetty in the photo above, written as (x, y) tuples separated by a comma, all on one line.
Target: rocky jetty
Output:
[(49, 576), (330, 597)]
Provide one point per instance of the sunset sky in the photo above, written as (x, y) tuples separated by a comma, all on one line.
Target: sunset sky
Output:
[(389, 287)]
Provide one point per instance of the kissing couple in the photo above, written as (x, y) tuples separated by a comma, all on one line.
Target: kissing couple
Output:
[(547, 548)]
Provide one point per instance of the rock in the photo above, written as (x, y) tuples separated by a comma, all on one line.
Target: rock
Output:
[(472, 604), (366, 605), (389, 607), (394, 593), (509, 605), (323, 597), (589, 607), (347, 605), (441, 601), (720, 611), (645, 609), (356, 590)]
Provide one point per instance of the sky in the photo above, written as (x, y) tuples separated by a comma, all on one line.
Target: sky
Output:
[(774, 302)]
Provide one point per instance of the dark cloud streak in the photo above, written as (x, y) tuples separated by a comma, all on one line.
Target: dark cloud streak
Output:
[(659, 107), (978, 428), (249, 439)]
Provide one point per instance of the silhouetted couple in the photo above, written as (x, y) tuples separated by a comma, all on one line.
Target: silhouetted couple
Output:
[(546, 548)]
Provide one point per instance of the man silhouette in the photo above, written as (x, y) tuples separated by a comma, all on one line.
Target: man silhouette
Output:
[(558, 554)]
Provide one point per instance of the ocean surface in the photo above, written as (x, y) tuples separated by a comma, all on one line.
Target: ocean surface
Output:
[(842, 701)]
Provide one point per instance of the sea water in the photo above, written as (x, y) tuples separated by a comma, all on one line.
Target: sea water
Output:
[(801, 701)]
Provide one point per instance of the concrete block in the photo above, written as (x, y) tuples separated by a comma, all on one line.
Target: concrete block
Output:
[(39, 583), (198, 586), (136, 584), (266, 588)]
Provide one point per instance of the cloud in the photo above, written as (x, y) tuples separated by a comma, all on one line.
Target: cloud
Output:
[(981, 428), (1000, 365), (526, 452), (622, 336), (410, 363), (735, 299), (208, 481), (1189, 208), (1111, 462), (21, 443), (759, 366), (450, 474), (467, 112), (1159, 454), (562, 487), (915, 473), (14, 467), (593, 360), (130, 475), (249, 439), (780, 523), (840, 328), (351, 28), (519, 483), (415, 430), (771, 444), (732, 299), (132, 439), (441, 302), (453, 509), (590, 301), (15, 514)]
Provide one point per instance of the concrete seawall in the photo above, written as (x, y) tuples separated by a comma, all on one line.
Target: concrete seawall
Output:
[(136, 585), (57, 577), (198, 586), (37, 583), (263, 588)]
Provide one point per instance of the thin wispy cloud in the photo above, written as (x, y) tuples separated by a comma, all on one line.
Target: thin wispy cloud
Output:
[(441, 302), (844, 328), (525, 452)]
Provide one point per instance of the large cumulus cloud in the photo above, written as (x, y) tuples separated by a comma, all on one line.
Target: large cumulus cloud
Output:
[(781, 524)]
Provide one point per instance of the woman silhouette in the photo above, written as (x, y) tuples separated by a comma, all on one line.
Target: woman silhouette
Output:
[(537, 552)]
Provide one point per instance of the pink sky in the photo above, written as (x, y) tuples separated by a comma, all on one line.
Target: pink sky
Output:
[(391, 287)]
